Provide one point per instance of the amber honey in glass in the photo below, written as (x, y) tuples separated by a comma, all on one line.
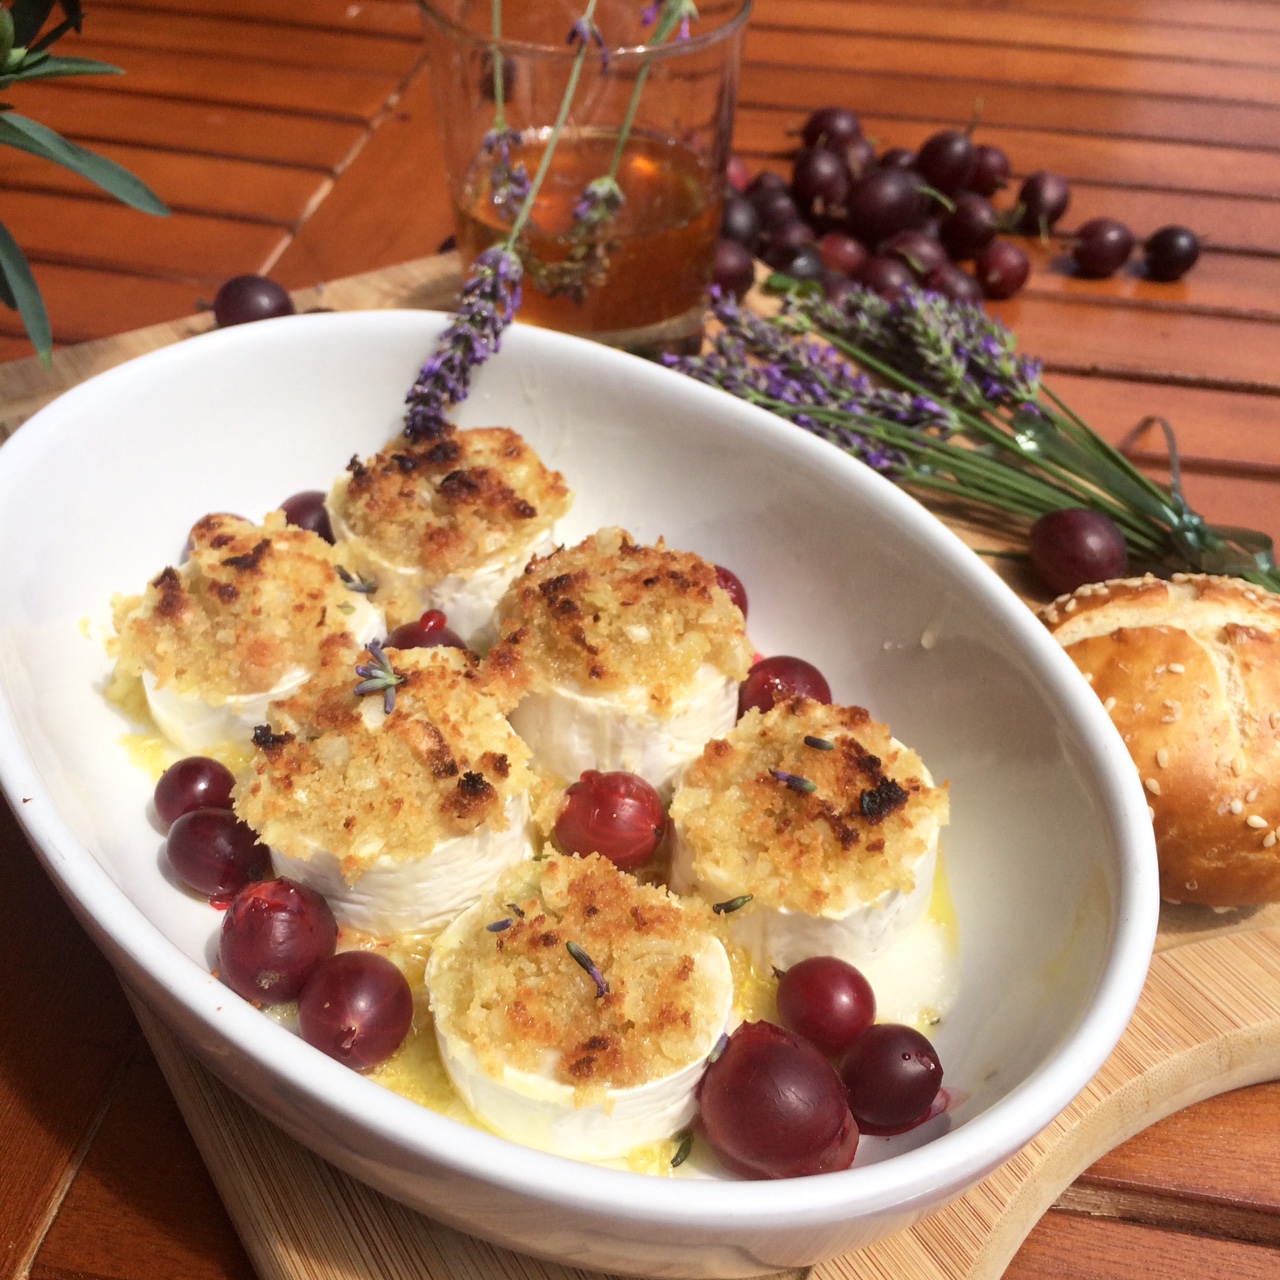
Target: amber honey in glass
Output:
[(656, 252)]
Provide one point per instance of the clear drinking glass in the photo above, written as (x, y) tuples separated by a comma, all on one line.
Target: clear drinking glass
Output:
[(656, 117)]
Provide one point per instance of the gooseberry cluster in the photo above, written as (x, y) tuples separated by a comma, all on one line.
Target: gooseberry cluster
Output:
[(279, 938), (784, 1101), (851, 217)]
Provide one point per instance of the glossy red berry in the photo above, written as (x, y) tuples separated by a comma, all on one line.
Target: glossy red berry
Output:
[(773, 1107), (243, 299), (274, 934), (891, 1075), (195, 782), (774, 679), (617, 815), (1077, 545), (356, 1007), (826, 1001), (429, 632), (731, 585), (306, 510)]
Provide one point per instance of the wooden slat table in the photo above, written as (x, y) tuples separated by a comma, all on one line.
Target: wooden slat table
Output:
[(301, 140)]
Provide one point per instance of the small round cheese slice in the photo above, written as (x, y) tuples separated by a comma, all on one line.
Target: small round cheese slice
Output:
[(570, 731), (401, 805), (613, 655), (818, 826), (468, 600), (447, 524), (197, 723), (391, 896), (778, 937), (585, 1064), (238, 625)]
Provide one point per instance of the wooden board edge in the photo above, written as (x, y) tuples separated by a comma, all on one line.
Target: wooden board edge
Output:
[(28, 385)]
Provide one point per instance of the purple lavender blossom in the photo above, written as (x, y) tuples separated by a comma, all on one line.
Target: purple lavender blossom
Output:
[(585, 32), (490, 300), (508, 183), (600, 201)]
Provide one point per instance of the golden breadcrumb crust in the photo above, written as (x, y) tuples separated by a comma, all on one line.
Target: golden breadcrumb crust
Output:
[(1189, 671), (870, 815), (250, 603), (336, 773), (451, 505), (610, 614), (517, 996)]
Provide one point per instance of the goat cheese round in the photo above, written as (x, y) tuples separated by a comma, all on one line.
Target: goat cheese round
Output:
[(447, 524), (575, 1008), (614, 655), (400, 817), (821, 820), (238, 625)]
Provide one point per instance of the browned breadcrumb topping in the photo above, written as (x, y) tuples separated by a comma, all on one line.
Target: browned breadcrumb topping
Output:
[(250, 604), (805, 827), (610, 614), (451, 505), (334, 772), (519, 998)]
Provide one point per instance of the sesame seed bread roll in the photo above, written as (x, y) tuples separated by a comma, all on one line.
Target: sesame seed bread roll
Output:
[(447, 524), (1189, 670), (575, 1008), (829, 824), (401, 819), (617, 656), (242, 621)]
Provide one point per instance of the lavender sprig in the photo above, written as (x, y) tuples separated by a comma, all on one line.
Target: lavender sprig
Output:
[(602, 987), (379, 677), (933, 393), (490, 300), (508, 182), (491, 295)]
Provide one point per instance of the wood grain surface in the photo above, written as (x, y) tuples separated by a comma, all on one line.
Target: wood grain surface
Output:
[(300, 139)]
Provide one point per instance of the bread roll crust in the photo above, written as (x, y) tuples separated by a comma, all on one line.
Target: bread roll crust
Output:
[(1189, 670)]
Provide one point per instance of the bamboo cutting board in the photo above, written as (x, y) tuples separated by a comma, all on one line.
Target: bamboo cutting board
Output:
[(1208, 1021)]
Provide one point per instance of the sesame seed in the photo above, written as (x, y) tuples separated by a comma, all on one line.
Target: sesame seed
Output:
[(1162, 758), (1152, 785), (1257, 822), (1151, 813), (1237, 806), (1088, 675), (1085, 590), (1237, 768), (1161, 669), (1138, 707), (1070, 607), (1251, 795), (1109, 705), (1177, 668), (1269, 839), (1274, 719), (1222, 809)]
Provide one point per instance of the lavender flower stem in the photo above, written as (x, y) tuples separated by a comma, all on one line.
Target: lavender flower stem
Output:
[(553, 139)]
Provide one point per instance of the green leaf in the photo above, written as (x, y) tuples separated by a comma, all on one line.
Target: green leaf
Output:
[(41, 66), (21, 287), (27, 135), (6, 35), (28, 17)]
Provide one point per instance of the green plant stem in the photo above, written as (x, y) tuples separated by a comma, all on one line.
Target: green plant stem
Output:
[(575, 73), (661, 34)]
